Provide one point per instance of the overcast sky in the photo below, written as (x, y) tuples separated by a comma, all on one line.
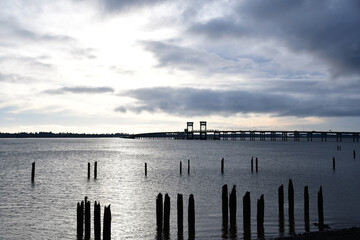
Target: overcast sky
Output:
[(152, 65)]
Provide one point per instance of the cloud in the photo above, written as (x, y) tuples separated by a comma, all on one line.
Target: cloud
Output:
[(325, 29), (14, 78), (34, 62), (206, 102), (80, 90), (124, 5)]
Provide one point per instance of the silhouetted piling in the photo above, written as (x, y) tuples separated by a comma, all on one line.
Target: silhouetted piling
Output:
[(256, 164), (320, 210), (188, 166), (354, 153), (180, 168), (333, 163), (252, 164), (97, 221), (159, 211), (260, 217), (107, 223), (225, 206), (247, 215), (87, 219), (222, 165), (145, 169), (88, 170), (191, 217), (306, 209), (291, 207), (33, 172), (281, 208), (80, 220), (95, 170), (232, 206), (167, 213), (180, 215)]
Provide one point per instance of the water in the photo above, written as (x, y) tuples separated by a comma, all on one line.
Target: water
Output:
[(47, 209)]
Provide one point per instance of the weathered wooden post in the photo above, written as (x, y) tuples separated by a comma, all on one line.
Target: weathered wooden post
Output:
[(80, 220), (281, 208), (145, 169), (320, 210), (247, 215), (225, 206), (291, 207), (222, 165), (95, 170), (87, 219), (159, 211), (167, 213), (232, 206), (97, 221), (188, 166), (180, 168), (107, 223), (88, 170), (333, 163), (180, 215), (252, 164), (306, 209), (191, 217), (260, 217), (33, 172), (256, 165)]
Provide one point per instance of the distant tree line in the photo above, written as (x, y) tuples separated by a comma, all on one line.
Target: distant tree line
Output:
[(63, 135)]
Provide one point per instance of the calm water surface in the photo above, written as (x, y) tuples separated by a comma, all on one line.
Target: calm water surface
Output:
[(47, 209)]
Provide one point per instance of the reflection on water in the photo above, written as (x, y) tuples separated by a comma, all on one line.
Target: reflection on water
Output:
[(46, 209)]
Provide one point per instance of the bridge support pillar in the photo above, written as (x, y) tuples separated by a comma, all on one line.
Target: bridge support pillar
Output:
[(203, 131), (189, 130)]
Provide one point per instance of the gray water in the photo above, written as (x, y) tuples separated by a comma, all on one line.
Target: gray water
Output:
[(47, 208)]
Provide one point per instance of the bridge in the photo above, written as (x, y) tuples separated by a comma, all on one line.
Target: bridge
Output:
[(273, 135)]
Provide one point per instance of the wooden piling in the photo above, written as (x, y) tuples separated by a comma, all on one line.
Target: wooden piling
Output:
[(247, 215), (232, 206), (260, 217), (33, 172), (95, 170), (167, 213), (80, 220), (252, 164), (291, 207), (320, 210), (225, 206), (222, 165), (180, 168), (333, 163), (159, 211), (281, 208), (97, 221), (87, 219), (145, 169), (256, 164), (88, 170), (306, 209), (188, 166), (107, 223), (180, 215), (191, 217)]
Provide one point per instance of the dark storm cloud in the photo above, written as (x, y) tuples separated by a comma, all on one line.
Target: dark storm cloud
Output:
[(205, 102), (80, 90), (327, 29)]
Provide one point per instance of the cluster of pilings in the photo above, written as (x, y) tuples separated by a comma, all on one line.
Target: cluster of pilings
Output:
[(163, 216), (83, 209), (95, 170), (229, 205)]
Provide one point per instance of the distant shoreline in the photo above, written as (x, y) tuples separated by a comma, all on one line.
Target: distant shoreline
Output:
[(64, 135)]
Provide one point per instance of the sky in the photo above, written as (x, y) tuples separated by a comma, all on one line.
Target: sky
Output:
[(107, 66)]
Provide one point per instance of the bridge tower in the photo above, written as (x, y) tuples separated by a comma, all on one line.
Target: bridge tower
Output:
[(190, 130), (203, 131)]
